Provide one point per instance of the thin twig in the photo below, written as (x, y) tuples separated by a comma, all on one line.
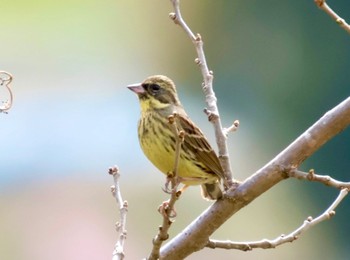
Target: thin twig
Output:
[(325, 179), (340, 21), (210, 98), (167, 209), (5, 80), (118, 253), (266, 243)]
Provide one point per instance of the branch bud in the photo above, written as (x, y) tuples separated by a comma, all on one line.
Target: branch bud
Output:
[(172, 16), (113, 170)]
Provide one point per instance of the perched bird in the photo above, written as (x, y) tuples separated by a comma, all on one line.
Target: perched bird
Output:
[(198, 163)]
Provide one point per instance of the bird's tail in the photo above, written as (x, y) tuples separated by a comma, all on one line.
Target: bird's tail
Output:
[(211, 191)]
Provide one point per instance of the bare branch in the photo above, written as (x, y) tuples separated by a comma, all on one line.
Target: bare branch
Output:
[(195, 236), (5, 80), (118, 253), (325, 179), (210, 98), (340, 21), (167, 209), (265, 243)]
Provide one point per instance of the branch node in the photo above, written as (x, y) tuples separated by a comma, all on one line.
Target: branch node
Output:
[(125, 204), (319, 3), (211, 115), (198, 37), (113, 190), (197, 61), (311, 174), (172, 16), (178, 194), (340, 21), (113, 170)]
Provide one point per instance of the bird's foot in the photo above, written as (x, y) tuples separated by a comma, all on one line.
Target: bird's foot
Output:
[(166, 211)]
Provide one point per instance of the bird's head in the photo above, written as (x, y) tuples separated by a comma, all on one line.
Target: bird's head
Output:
[(156, 92)]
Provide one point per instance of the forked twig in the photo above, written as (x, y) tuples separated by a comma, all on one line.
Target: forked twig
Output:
[(309, 222), (5, 80), (118, 253), (266, 243), (167, 209)]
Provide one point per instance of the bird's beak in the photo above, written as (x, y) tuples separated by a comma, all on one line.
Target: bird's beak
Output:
[(137, 88)]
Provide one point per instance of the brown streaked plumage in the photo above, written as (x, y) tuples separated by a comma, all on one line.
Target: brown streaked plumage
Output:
[(198, 164)]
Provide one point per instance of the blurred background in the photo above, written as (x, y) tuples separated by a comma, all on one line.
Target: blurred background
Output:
[(278, 65)]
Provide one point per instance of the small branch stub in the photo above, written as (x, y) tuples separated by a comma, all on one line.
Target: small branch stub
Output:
[(232, 128), (211, 116), (172, 16)]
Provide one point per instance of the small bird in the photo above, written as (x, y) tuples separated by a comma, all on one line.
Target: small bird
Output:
[(198, 163)]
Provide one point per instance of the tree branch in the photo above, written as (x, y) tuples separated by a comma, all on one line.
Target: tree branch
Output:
[(195, 236), (340, 21), (118, 253), (266, 244)]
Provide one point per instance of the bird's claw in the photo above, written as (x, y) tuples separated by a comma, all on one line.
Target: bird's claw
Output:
[(166, 187), (172, 181), (163, 209)]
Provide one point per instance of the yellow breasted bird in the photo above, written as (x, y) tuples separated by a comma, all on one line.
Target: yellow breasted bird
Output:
[(198, 164)]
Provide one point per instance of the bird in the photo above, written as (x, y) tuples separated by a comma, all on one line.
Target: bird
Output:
[(198, 163)]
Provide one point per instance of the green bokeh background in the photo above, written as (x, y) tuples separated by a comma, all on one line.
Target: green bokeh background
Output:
[(278, 66)]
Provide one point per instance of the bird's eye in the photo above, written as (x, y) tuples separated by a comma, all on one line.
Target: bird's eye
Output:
[(154, 88)]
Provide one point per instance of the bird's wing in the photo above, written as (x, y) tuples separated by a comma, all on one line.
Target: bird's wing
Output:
[(196, 142)]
